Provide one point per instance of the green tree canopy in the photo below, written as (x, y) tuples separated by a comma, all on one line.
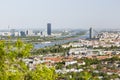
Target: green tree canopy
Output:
[(13, 68)]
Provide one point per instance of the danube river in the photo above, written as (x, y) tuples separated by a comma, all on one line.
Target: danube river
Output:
[(46, 44)]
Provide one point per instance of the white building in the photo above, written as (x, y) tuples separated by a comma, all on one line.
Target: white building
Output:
[(6, 34)]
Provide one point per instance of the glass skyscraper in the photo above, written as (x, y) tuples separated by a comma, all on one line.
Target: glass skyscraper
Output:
[(49, 28)]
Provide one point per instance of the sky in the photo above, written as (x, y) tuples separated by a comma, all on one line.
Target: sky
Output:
[(60, 13)]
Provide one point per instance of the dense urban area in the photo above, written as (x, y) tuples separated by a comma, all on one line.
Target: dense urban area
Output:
[(96, 57), (59, 40)]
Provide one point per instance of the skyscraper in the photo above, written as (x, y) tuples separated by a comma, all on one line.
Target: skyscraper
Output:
[(90, 33), (49, 29)]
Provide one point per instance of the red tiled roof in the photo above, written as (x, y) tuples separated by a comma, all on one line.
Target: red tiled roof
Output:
[(55, 59)]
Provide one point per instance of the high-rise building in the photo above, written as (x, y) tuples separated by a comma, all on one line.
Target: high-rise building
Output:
[(90, 33), (49, 29)]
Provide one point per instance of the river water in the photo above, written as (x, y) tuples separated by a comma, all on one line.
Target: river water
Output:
[(42, 45)]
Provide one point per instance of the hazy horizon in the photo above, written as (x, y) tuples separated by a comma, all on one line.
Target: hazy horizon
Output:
[(77, 14)]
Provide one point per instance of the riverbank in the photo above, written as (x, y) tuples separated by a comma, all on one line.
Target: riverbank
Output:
[(59, 42)]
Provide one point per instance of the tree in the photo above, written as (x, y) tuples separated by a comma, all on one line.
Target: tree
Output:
[(42, 73), (86, 76), (13, 68)]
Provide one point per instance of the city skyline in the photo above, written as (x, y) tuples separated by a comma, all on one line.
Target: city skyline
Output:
[(27, 14)]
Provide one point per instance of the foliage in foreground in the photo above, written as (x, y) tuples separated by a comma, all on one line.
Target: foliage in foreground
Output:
[(13, 68)]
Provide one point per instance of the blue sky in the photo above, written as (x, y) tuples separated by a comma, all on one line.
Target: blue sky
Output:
[(61, 13)]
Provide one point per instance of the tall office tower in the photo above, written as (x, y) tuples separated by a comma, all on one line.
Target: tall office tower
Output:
[(90, 33), (49, 29)]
